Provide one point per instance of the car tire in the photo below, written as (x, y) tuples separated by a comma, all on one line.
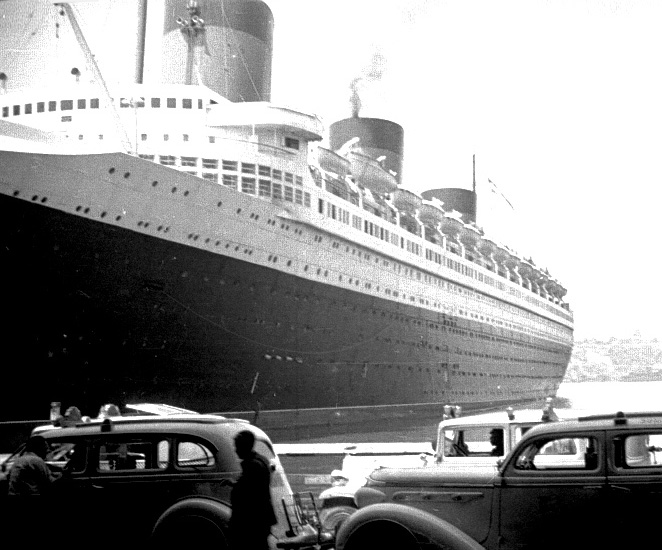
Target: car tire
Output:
[(331, 518)]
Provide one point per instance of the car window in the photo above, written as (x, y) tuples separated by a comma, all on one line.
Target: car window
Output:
[(467, 442), (193, 454), (134, 454), (641, 450), (560, 447), (556, 453), (68, 454)]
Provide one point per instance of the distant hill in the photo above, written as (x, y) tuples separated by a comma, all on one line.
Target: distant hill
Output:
[(624, 360)]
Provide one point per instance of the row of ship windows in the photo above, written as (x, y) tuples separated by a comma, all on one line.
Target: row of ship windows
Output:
[(445, 325), (228, 166), (288, 142), (444, 370), (340, 214), (93, 103), (458, 351), (397, 294)]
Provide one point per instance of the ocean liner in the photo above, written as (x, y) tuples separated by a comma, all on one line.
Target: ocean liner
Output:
[(170, 235)]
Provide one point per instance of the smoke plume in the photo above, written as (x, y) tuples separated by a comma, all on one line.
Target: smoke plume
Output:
[(373, 72)]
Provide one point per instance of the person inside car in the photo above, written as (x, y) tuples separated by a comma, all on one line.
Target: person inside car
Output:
[(496, 439)]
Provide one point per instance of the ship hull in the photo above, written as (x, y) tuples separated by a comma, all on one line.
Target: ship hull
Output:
[(100, 311)]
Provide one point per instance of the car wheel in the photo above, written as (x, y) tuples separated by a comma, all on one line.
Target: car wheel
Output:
[(332, 518), (191, 529)]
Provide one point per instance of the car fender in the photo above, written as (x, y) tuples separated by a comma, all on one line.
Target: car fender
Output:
[(342, 492), (409, 526), (205, 507)]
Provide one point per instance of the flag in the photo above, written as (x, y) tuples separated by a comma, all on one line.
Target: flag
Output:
[(496, 191)]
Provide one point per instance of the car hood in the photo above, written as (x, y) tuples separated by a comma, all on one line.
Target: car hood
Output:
[(432, 476)]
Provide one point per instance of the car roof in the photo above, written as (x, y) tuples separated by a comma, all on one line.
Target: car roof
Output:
[(515, 417), (605, 421), (192, 424)]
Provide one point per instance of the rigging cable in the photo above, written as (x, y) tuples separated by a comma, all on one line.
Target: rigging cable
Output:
[(226, 20)]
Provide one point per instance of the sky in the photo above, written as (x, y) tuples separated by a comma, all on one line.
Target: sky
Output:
[(560, 101)]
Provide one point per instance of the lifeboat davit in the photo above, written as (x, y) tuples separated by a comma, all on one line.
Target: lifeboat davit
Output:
[(370, 174), (333, 162), (407, 201)]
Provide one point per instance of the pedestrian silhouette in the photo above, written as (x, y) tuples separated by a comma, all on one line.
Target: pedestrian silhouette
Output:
[(252, 510), (29, 486)]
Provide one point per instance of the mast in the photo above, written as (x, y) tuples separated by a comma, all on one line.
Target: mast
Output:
[(191, 28), (474, 187)]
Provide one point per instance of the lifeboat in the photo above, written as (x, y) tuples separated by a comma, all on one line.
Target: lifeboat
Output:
[(469, 236), (407, 201), (501, 254), (451, 224), (487, 247), (526, 270), (370, 174), (430, 213), (330, 161)]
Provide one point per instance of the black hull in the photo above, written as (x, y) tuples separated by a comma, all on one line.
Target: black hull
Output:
[(100, 313)]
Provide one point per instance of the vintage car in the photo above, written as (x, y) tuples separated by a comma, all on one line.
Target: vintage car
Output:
[(164, 480), (462, 442), (359, 460), (586, 483)]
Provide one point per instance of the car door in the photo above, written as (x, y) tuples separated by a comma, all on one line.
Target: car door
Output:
[(122, 486), (552, 492), (460, 497), (634, 477)]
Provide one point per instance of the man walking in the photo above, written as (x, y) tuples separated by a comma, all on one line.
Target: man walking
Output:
[(252, 510)]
